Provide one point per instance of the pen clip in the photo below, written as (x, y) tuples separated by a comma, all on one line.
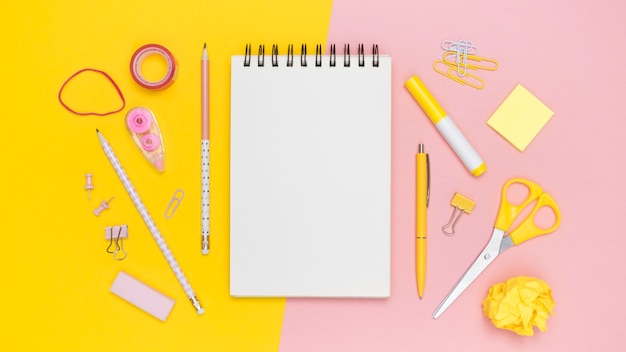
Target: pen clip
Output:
[(427, 180)]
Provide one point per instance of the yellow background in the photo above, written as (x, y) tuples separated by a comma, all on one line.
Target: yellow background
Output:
[(56, 271)]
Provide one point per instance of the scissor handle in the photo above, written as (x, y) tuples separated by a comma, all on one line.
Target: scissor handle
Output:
[(508, 212), (528, 229)]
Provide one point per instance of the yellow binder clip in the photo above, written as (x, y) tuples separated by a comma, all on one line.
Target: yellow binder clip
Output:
[(461, 205)]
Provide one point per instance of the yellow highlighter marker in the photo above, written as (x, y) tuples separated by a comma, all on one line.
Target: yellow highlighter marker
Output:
[(421, 200), (448, 129)]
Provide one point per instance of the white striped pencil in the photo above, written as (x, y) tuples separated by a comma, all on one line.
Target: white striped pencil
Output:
[(156, 234)]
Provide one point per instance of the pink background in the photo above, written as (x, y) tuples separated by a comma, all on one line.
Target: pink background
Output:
[(569, 55)]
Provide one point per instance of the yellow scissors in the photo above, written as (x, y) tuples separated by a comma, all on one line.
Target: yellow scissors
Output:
[(498, 243)]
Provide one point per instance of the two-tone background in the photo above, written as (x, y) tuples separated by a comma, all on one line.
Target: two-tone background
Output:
[(57, 274)]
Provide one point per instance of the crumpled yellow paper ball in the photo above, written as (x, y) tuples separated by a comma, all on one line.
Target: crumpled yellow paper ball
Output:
[(519, 304)]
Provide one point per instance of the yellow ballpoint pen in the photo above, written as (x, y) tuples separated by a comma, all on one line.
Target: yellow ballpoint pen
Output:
[(422, 198)]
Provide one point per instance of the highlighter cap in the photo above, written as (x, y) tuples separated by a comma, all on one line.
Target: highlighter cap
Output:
[(479, 170), (425, 99)]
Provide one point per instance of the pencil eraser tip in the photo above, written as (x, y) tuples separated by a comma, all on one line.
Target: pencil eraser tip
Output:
[(200, 311), (205, 251)]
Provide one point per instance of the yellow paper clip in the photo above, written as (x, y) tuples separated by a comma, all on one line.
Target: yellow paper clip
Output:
[(450, 71), (462, 205), (471, 61), (457, 58)]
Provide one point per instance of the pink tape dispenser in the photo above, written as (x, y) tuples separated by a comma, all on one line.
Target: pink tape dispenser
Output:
[(144, 130)]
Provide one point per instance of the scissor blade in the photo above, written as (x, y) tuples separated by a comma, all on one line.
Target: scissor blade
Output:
[(489, 253)]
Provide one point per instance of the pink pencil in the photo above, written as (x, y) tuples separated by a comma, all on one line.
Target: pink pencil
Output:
[(206, 156)]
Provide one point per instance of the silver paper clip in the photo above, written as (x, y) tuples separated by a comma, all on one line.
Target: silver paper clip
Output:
[(457, 58), (461, 49), (174, 203)]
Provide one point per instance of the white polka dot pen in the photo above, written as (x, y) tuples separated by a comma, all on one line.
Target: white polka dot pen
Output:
[(134, 196)]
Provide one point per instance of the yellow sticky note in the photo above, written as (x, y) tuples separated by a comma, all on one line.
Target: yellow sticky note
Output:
[(520, 117)]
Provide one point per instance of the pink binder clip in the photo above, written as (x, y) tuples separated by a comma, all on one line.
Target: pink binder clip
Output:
[(116, 234)]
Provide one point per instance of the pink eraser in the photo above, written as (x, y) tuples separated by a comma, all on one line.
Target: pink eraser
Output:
[(143, 296)]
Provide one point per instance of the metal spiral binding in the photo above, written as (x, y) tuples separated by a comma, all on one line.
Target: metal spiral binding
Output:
[(375, 55), (318, 55), (261, 55), (290, 55), (303, 56), (275, 55), (361, 51), (246, 58)]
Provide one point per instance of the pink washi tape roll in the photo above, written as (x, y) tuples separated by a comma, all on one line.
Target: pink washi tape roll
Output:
[(153, 49)]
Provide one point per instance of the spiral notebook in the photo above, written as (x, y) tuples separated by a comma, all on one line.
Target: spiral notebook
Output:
[(310, 175)]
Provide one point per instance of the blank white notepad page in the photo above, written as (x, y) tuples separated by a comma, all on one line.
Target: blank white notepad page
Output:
[(310, 178)]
